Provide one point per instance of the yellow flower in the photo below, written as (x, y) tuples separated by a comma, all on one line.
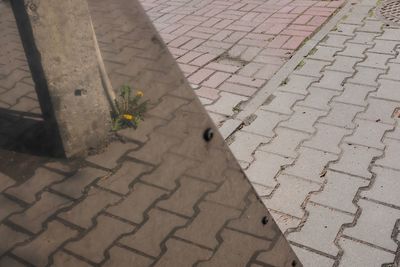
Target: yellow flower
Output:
[(139, 93), (128, 117)]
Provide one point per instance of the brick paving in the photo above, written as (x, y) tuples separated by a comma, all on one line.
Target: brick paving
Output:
[(229, 50), (160, 195), (327, 165)]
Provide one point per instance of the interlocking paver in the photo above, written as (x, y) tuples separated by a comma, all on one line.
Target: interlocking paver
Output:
[(354, 94), (297, 84), (391, 154), (5, 181), (245, 144), (339, 184), (303, 119), (281, 102), (366, 76), (318, 98), (370, 256), (344, 64), (10, 238), (47, 242), (375, 225), (341, 115), (63, 259), (320, 229), (7, 207), (266, 167), (312, 259), (388, 90), (258, 126), (109, 159), (133, 207), (333, 80), (93, 245)]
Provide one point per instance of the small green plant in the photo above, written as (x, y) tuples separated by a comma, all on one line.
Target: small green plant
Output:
[(129, 109)]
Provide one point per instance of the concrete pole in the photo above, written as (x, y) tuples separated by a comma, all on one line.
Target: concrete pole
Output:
[(59, 45)]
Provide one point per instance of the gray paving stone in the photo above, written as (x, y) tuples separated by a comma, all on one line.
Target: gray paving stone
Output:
[(393, 73), (390, 34), (386, 186), (394, 134), (224, 105), (371, 25), (303, 119), (318, 98), (333, 80), (375, 225), (265, 123), (354, 50), (311, 68), (310, 164), (388, 90), (326, 53), (245, 144), (368, 133), (7, 207), (327, 138), (312, 259), (339, 184), (321, 229), (370, 255), (392, 155), (384, 47), (10, 238), (375, 60), (354, 94), (281, 102), (265, 167), (355, 160), (297, 84), (335, 40), (344, 64), (124, 257), (342, 115), (290, 195), (285, 142), (364, 38), (366, 76)]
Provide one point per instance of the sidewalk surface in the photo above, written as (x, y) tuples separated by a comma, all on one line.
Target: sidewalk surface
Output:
[(322, 150)]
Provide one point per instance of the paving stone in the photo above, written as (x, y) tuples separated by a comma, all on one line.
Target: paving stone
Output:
[(368, 133), (66, 260), (311, 259), (245, 144), (93, 245), (201, 230), (335, 40), (233, 191), (303, 119), (375, 60), (159, 225), (354, 50), (388, 90), (167, 107), (371, 26), (265, 168), (39, 249), (355, 160), (320, 229), (345, 29), (5, 181), (189, 189), (238, 89), (240, 255), (285, 142), (297, 84), (318, 98), (391, 158), (385, 187), (146, 127), (384, 47), (370, 255), (375, 225), (76, 185), (310, 164), (284, 221), (281, 102), (27, 191), (10, 238), (154, 149), (224, 105), (364, 38), (84, 212), (311, 67), (390, 34), (267, 72), (366, 76), (169, 174), (354, 94), (265, 123), (394, 134), (7, 207), (123, 257), (344, 64), (392, 74), (33, 218), (134, 206), (341, 115), (10, 262), (184, 253), (327, 138), (109, 158), (325, 53), (127, 174), (333, 80), (339, 184), (290, 195)]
